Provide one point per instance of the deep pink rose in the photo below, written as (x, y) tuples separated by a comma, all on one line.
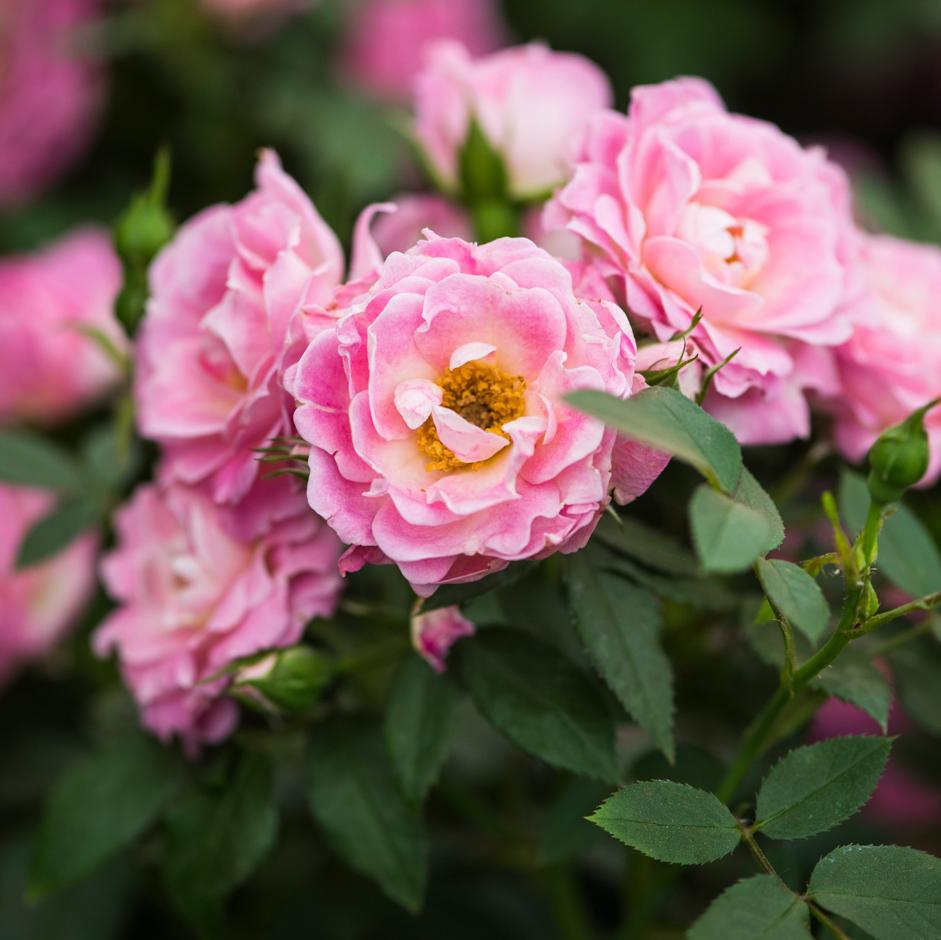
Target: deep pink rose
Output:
[(200, 585), (686, 207), (530, 102), (892, 363), (39, 604), (49, 92), (399, 230), (212, 346), (901, 799), (49, 367), (434, 633), (383, 52), (439, 440)]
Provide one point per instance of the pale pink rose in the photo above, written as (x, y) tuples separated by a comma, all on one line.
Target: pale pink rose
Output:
[(40, 603), (433, 407), (686, 206), (49, 367), (199, 586), (901, 799), (434, 633), (530, 102), (399, 230), (49, 92), (383, 50), (892, 363), (212, 346)]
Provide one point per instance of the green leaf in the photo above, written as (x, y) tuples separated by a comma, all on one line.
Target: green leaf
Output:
[(757, 908), (619, 623), (455, 595), (853, 678), (814, 788), (669, 821), (891, 892), (646, 545), (216, 840), (705, 593), (908, 556), (916, 668), (101, 805), (355, 798), (108, 459), (795, 595), (728, 535), (31, 460), (536, 697), (667, 420), (750, 492), (57, 529), (419, 725)]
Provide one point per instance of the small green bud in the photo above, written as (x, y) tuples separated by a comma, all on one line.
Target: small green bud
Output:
[(481, 169), (288, 680), (899, 458), (142, 231)]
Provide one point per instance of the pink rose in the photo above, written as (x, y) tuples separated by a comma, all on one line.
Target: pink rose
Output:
[(39, 604), (49, 92), (434, 633), (439, 440), (212, 346), (383, 50), (399, 230), (530, 103), (687, 206), (49, 368), (201, 585), (892, 363)]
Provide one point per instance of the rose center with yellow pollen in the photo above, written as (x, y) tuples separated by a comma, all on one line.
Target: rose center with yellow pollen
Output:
[(481, 394)]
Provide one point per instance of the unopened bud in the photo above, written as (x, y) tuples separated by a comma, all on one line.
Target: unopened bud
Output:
[(289, 680), (899, 458)]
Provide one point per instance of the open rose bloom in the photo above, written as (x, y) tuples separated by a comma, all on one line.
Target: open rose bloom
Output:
[(200, 586), (439, 440), (39, 604), (50, 367), (211, 351), (688, 208), (891, 365)]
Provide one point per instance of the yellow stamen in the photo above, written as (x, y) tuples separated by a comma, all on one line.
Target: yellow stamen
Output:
[(481, 394)]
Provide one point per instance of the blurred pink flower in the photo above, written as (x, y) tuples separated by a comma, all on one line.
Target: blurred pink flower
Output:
[(439, 441), (434, 633), (399, 230), (200, 585), (39, 604), (688, 207), (901, 798), (49, 368), (50, 92), (892, 363), (212, 346), (383, 52), (530, 102)]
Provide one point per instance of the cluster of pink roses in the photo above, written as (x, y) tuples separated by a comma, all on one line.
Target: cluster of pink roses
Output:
[(427, 382)]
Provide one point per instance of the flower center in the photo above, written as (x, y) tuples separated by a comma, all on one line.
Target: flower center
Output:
[(481, 394)]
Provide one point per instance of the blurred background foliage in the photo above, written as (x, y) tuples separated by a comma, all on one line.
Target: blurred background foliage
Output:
[(860, 76)]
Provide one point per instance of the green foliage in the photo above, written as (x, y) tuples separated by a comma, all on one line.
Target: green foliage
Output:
[(796, 596), (102, 805), (57, 529), (481, 171), (619, 623), (419, 725), (668, 821), (451, 595), (665, 419), (814, 788), (728, 535), (908, 556), (542, 702), (646, 545), (216, 839), (28, 459), (853, 678), (891, 892), (758, 907), (916, 669), (355, 798)]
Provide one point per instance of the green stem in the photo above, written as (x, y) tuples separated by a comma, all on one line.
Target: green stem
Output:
[(825, 920), (571, 917), (755, 850), (921, 603), (902, 638), (758, 737), (869, 538)]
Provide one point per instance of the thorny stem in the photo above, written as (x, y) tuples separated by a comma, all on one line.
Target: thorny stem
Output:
[(921, 603)]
